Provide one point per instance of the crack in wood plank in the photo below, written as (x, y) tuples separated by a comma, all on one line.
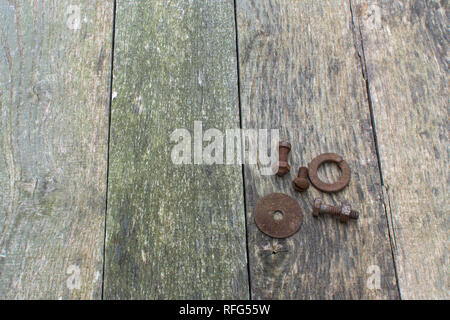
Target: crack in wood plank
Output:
[(407, 68)]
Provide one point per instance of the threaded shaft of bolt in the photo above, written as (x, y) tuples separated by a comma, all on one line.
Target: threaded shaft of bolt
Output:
[(335, 211), (284, 152), (303, 172), (354, 214)]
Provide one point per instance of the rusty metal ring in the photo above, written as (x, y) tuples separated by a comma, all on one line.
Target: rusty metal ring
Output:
[(284, 227), (329, 187)]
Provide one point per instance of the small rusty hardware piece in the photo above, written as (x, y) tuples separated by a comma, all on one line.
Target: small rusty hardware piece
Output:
[(283, 165), (344, 212), (278, 215), (329, 187), (301, 183)]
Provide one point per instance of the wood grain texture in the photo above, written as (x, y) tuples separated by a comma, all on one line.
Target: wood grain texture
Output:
[(405, 47), (173, 231), (300, 72), (54, 85)]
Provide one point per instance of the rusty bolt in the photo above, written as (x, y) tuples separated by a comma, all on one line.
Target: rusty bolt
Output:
[(283, 165), (301, 183), (344, 212)]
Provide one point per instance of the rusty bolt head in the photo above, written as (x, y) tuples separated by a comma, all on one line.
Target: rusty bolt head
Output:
[(301, 183), (283, 165), (283, 168), (316, 207)]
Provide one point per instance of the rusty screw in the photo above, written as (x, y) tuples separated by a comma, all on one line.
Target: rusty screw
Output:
[(344, 212), (283, 165), (301, 183)]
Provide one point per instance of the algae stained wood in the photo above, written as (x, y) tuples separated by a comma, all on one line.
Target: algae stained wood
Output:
[(300, 72), (54, 88), (405, 46), (173, 231)]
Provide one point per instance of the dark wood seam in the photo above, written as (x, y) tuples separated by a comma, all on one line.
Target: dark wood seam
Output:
[(242, 151), (109, 139), (357, 34)]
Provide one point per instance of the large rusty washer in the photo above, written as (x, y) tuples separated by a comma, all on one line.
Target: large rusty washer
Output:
[(329, 187), (292, 215)]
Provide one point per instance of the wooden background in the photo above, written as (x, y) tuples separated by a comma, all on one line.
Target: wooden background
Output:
[(92, 206)]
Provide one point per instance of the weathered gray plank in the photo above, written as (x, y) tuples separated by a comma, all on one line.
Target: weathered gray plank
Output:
[(405, 46), (54, 82), (300, 72), (173, 231)]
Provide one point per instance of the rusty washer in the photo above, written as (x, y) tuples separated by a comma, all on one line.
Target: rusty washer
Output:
[(329, 187), (289, 221)]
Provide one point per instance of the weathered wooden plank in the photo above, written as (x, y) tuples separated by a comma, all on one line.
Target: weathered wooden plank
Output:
[(54, 88), (405, 49), (300, 72), (173, 231)]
